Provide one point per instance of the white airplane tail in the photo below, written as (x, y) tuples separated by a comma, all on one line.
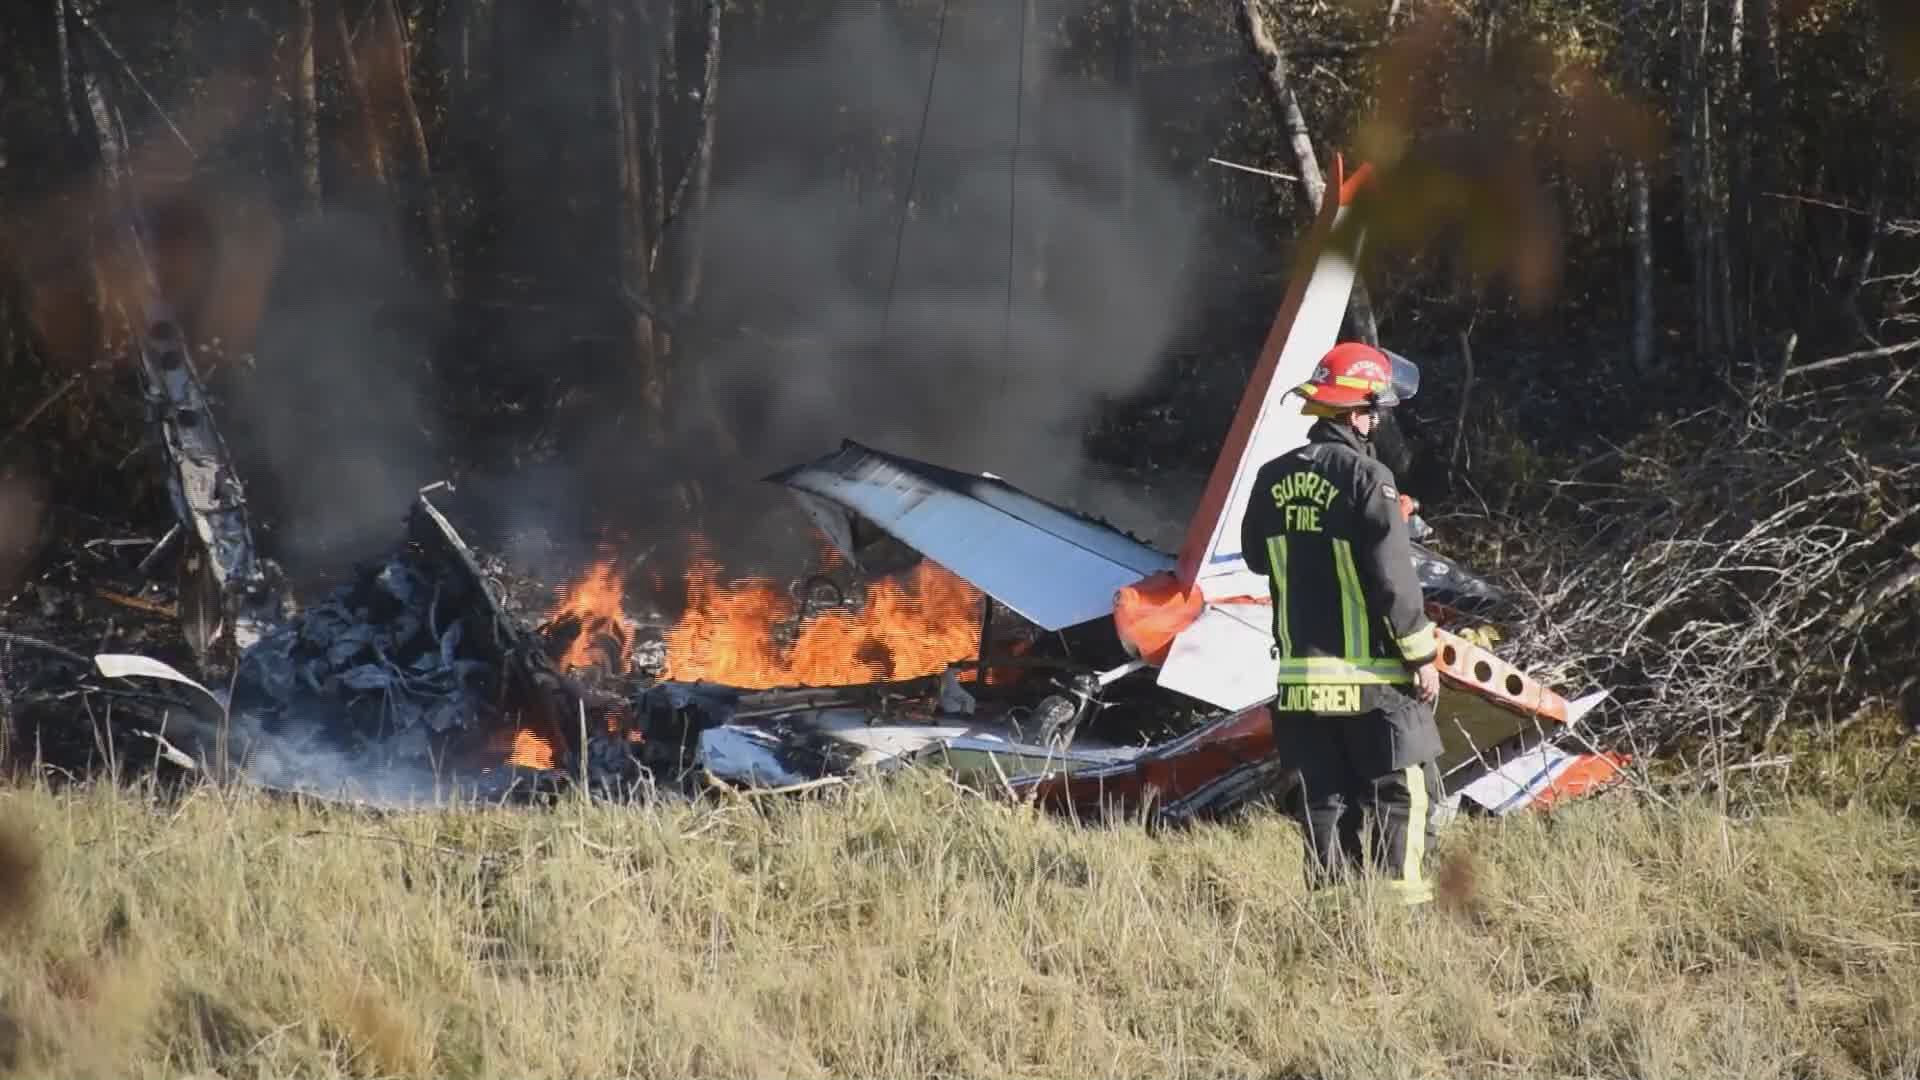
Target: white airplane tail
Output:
[(1266, 425), (1204, 623)]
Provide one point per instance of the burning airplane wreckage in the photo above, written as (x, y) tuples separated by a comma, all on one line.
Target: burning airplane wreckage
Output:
[(1030, 650)]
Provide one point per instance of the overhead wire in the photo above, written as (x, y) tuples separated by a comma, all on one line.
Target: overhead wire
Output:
[(913, 171), (1013, 186)]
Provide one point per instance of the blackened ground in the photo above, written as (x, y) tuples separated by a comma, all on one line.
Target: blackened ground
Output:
[(82, 594)]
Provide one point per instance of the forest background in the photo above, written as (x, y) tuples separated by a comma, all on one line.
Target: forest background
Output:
[(608, 263)]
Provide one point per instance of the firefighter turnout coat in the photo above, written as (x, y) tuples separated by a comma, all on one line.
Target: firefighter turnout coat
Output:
[(1349, 620)]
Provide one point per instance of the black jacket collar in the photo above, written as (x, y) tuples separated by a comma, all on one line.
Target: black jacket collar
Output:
[(1331, 431)]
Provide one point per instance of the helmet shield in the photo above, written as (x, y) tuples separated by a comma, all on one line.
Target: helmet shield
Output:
[(1405, 378)]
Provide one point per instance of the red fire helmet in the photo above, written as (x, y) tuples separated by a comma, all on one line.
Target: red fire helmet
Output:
[(1354, 375)]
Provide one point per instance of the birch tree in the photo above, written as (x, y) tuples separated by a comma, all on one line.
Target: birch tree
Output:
[(1271, 60)]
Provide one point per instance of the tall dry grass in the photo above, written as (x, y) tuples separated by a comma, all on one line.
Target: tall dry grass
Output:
[(905, 930)]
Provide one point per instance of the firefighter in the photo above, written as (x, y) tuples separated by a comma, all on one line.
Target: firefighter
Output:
[(1355, 649)]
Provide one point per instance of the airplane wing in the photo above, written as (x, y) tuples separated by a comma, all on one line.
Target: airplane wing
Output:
[(1054, 567)]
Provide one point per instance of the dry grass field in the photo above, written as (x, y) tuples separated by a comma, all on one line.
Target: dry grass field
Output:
[(909, 930)]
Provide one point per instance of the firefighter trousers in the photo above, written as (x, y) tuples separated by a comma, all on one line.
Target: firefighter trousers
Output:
[(1361, 805)]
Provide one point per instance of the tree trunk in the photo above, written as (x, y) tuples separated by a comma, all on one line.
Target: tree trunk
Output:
[(1733, 247), (634, 221), (1640, 196), (1124, 65), (1687, 157), (1876, 227), (403, 119), (306, 123), (663, 28), (488, 169), (116, 269), (1765, 256), (692, 251), (1272, 64), (363, 149), (456, 49), (1712, 205), (66, 67), (93, 340), (691, 261)]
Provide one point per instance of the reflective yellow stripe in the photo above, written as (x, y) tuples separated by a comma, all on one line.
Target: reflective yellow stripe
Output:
[(1358, 384), (1277, 567), (1421, 642), (1353, 604), (1362, 678), (1327, 670), (1341, 665), (1410, 887)]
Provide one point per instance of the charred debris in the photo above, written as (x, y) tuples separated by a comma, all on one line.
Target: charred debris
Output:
[(431, 675), (423, 677)]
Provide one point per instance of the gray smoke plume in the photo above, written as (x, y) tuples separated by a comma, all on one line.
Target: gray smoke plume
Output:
[(800, 253), (807, 333), (333, 406)]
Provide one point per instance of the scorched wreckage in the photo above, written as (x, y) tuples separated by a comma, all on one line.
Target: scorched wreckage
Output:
[(1029, 649)]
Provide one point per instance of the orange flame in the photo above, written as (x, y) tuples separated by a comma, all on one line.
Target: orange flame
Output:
[(594, 602), (530, 751), (905, 630), (743, 633)]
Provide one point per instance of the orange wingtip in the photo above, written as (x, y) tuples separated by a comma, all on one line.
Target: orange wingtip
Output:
[(1588, 774), (1477, 671), (1151, 612)]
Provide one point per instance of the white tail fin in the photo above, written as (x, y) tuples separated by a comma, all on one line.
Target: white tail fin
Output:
[(1266, 426)]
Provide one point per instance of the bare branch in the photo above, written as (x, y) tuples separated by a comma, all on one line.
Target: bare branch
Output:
[(126, 68), (1744, 572), (1272, 62), (1848, 358)]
